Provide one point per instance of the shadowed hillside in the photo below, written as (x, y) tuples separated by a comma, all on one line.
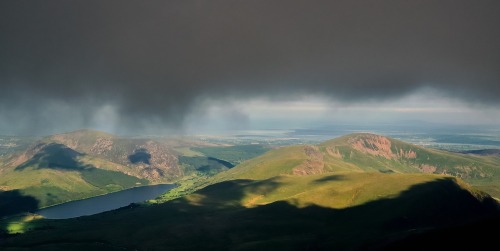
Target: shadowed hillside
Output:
[(222, 217), (13, 202), (479, 235), (55, 156)]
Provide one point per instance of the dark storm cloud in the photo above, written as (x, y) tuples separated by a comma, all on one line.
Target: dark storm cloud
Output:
[(154, 59)]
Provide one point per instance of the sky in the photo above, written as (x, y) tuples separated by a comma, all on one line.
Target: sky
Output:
[(184, 65)]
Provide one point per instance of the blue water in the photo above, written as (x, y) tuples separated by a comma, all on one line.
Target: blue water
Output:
[(103, 203)]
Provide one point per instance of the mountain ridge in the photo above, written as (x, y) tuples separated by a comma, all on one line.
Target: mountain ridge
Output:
[(366, 152), (100, 148), (317, 197)]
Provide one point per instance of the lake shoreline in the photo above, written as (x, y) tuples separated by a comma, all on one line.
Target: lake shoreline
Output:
[(105, 202), (104, 194)]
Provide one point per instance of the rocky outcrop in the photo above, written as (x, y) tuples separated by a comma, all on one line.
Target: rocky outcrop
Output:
[(409, 154), (162, 163), (379, 146), (101, 145), (427, 168), (314, 163), (372, 144), (334, 152)]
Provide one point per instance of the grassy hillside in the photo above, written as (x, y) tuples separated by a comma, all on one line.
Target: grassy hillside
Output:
[(319, 212), (56, 174), (51, 186), (85, 163), (210, 160), (361, 191), (369, 153)]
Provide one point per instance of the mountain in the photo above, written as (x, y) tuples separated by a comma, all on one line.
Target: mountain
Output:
[(53, 173), (293, 212), (364, 152), (86, 163), (139, 157), (357, 192)]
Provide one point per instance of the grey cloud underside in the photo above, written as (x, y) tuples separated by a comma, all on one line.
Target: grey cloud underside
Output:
[(156, 58)]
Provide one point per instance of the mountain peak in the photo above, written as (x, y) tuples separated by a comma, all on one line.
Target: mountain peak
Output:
[(372, 144), (350, 139), (377, 145)]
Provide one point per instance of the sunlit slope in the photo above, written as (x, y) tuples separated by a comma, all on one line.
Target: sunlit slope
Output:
[(326, 190), (55, 173), (321, 211), (368, 153)]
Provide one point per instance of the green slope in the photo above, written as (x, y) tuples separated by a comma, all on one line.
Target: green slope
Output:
[(350, 193), (85, 163), (369, 153), (320, 212), (81, 164), (56, 173)]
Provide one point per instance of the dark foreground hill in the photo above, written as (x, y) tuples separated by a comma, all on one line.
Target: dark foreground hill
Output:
[(315, 212)]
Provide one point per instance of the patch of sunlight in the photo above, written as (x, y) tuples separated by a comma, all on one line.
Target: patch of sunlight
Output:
[(15, 227), (196, 199), (252, 201), (21, 224)]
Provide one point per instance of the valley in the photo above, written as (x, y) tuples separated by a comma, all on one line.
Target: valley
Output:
[(288, 125), (86, 163), (318, 195)]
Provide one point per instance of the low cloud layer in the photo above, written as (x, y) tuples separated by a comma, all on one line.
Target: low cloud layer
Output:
[(155, 61)]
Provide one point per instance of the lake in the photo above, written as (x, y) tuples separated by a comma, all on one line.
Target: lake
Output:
[(103, 203)]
